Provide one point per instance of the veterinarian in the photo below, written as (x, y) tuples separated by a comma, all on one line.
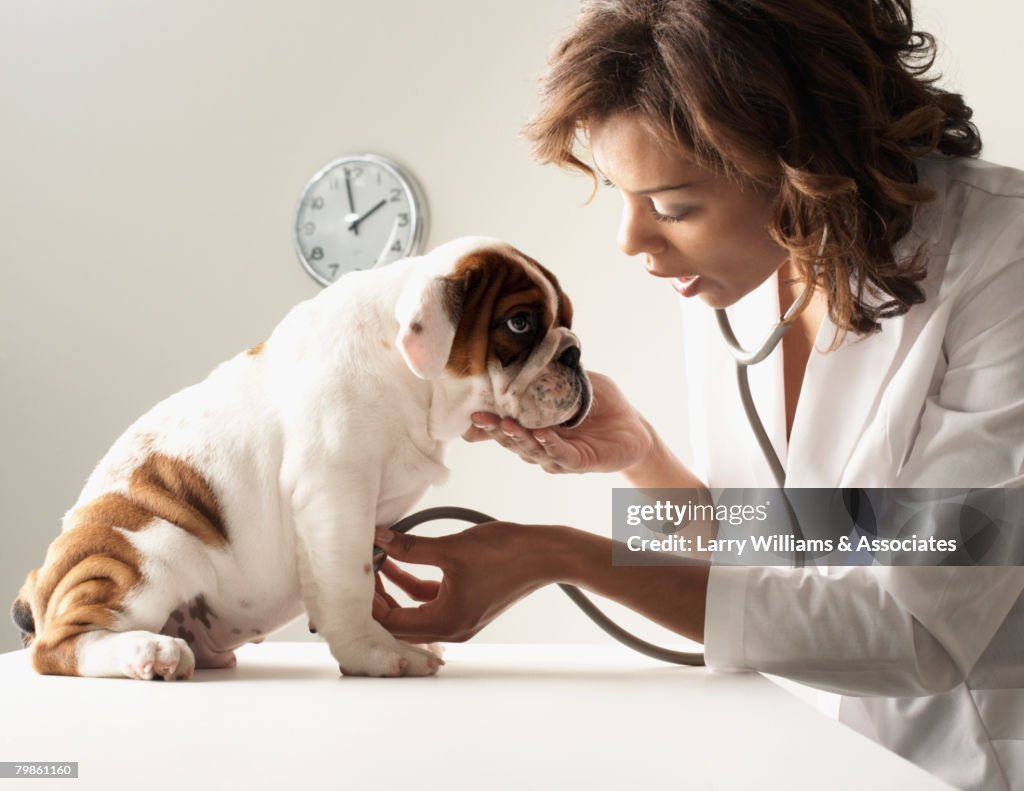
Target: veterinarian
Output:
[(759, 148)]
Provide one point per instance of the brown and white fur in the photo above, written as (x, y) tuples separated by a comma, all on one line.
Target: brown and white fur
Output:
[(239, 503)]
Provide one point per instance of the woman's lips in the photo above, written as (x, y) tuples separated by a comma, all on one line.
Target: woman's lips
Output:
[(686, 286)]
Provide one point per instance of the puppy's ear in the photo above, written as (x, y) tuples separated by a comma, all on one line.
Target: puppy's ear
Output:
[(427, 320)]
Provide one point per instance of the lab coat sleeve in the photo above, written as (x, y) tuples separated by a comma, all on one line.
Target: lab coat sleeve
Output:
[(901, 631), (895, 632)]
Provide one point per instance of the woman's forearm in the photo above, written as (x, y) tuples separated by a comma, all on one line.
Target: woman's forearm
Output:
[(661, 468), (672, 596)]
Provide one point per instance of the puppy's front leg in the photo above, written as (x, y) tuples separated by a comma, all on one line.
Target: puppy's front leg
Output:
[(334, 519)]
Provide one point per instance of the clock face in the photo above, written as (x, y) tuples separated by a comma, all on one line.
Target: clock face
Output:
[(358, 212)]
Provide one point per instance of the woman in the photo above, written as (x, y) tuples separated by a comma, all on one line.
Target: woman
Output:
[(737, 133)]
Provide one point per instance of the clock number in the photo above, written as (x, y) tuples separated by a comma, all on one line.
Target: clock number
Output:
[(318, 203), (309, 228), (403, 219), (316, 253), (397, 246), (334, 270), (354, 173), (396, 194)]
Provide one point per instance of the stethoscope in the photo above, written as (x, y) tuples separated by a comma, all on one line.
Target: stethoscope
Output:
[(744, 359)]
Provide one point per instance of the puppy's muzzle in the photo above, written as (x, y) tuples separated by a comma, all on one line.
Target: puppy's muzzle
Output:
[(570, 358)]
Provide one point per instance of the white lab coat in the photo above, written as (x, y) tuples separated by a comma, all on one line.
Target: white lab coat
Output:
[(930, 661)]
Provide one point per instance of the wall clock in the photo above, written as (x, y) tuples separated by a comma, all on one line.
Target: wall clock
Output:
[(358, 212)]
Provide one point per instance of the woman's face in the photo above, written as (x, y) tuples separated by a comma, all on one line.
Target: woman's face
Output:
[(703, 232)]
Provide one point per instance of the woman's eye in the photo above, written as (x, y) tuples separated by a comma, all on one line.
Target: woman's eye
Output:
[(668, 216), (520, 323)]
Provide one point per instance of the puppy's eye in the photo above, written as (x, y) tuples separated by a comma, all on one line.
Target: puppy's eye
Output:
[(521, 323)]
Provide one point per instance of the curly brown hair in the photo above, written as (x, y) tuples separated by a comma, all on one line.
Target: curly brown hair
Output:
[(827, 104)]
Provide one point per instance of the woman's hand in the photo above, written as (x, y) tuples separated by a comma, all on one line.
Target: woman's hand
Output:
[(612, 438), (487, 568)]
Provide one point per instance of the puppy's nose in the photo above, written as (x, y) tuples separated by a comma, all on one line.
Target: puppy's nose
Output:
[(570, 357)]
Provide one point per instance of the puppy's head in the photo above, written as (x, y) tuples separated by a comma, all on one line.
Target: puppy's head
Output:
[(478, 307)]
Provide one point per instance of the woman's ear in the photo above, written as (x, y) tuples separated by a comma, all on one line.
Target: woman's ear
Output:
[(426, 324)]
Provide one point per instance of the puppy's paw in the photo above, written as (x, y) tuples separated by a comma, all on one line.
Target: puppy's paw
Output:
[(383, 655), (145, 656), (437, 649)]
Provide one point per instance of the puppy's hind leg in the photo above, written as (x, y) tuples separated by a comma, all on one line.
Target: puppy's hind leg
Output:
[(78, 622), (137, 654), (83, 649), (77, 648)]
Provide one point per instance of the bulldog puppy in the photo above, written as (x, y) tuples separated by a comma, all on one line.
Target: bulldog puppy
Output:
[(240, 502)]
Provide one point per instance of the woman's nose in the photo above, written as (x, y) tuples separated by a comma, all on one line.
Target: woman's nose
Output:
[(638, 233)]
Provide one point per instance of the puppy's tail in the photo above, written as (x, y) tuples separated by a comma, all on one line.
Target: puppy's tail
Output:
[(21, 612)]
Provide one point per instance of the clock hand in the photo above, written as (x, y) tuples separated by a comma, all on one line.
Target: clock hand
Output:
[(348, 189), (351, 203), (354, 225)]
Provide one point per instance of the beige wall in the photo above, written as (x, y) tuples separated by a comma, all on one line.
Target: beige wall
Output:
[(151, 154)]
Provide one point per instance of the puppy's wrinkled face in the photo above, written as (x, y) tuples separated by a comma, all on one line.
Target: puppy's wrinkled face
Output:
[(514, 331)]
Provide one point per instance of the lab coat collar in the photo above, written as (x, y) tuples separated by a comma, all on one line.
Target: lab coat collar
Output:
[(851, 379), (828, 431)]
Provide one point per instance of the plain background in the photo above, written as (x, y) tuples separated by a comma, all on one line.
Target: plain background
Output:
[(151, 157)]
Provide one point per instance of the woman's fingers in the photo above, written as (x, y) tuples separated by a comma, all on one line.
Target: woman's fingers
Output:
[(410, 548), (379, 591), (412, 624), (505, 431), (420, 590), (383, 602), (544, 447), (416, 624), (475, 434), (523, 442), (484, 423), (565, 455)]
